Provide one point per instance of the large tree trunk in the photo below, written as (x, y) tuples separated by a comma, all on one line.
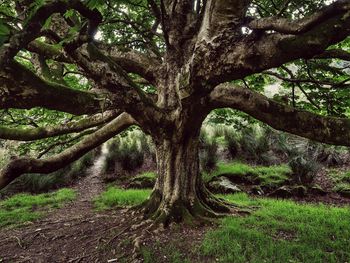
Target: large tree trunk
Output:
[(179, 193)]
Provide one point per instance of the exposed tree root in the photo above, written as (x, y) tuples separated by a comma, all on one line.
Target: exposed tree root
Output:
[(204, 208)]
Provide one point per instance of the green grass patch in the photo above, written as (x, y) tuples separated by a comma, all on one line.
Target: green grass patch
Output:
[(277, 231), (151, 175), (265, 175), (281, 231), (341, 181), (114, 197), (22, 208)]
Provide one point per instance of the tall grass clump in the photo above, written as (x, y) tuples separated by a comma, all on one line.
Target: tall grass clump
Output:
[(304, 169), (40, 183), (127, 152), (255, 145), (208, 152), (232, 142)]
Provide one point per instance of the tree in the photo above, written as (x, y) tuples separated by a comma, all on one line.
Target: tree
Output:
[(164, 66)]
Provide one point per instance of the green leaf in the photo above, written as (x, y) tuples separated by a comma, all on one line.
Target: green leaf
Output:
[(69, 13), (4, 32)]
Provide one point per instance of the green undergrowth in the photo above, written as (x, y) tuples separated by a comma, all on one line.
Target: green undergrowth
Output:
[(150, 175), (40, 183), (264, 175), (341, 181), (22, 208), (114, 197), (276, 231), (281, 231)]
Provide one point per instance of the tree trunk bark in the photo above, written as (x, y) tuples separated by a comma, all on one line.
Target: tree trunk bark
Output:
[(179, 194)]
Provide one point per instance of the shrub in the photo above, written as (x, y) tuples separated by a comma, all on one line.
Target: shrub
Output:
[(130, 156), (232, 143), (208, 152), (256, 147), (128, 152), (329, 155), (40, 183), (304, 169)]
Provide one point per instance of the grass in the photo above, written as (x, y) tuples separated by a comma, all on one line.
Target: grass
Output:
[(341, 181), (265, 175), (23, 208), (150, 175), (114, 197), (281, 231), (277, 231)]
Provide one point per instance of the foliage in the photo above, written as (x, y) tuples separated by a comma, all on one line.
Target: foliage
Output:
[(208, 152), (255, 145), (128, 151), (38, 183), (232, 141), (341, 180), (304, 169), (151, 175), (23, 208), (281, 231)]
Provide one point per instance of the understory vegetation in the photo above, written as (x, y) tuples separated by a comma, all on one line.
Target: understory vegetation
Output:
[(22, 208), (270, 162), (39, 183), (265, 161), (276, 231)]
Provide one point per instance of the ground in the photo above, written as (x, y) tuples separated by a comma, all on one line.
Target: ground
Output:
[(78, 232)]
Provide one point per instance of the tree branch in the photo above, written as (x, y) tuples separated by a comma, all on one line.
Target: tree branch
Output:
[(282, 117), (133, 61), (20, 88), (41, 132), (258, 52), (19, 166), (334, 53), (285, 26), (32, 28)]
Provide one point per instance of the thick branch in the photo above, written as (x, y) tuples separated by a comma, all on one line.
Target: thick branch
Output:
[(285, 26), (335, 53), (46, 132), (33, 27), (258, 52), (282, 117), (20, 88), (47, 51), (134, 62), (19, 166), (222, 17)]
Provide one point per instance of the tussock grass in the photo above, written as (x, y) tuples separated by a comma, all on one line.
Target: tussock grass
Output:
[(22, 208)]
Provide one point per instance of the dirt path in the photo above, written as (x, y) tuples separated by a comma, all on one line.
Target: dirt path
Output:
[(69, 234), (78, 233)]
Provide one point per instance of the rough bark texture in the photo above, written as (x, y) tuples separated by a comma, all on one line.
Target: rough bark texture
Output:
[(179, 193)]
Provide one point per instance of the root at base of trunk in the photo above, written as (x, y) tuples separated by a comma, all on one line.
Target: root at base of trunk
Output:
[(203, 209)]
